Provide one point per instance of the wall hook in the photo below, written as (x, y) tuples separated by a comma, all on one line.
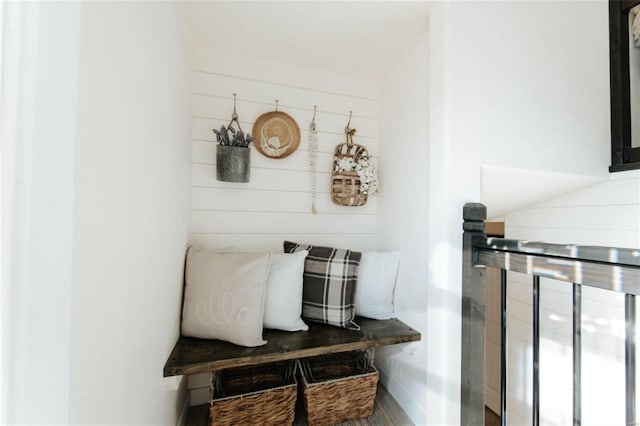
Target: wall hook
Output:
[(235, 114), (348, 129), (349, 132), (277, 105)]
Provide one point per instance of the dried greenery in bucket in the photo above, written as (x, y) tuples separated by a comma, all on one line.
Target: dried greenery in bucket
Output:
[(232, 137), (228, 136)]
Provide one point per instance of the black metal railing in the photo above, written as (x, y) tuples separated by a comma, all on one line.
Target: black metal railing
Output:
[(610, 268)]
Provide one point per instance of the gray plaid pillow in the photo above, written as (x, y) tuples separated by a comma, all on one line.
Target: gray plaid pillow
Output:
[(329, 284)]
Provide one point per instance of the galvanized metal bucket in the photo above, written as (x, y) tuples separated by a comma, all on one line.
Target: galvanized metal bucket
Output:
[(233, 163)]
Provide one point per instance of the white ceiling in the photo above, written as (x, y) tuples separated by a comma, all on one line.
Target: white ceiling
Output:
[(353, 38)]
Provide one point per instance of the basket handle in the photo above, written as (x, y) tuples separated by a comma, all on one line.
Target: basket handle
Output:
[(234, 116)]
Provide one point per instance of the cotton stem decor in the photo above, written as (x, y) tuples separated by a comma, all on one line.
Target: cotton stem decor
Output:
[(313, 156), (354, 176)]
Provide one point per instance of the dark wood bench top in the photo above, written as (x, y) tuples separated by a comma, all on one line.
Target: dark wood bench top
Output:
[(192, 356)]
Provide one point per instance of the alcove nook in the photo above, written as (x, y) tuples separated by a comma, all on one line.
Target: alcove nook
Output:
[(505, 103), (371, 59)]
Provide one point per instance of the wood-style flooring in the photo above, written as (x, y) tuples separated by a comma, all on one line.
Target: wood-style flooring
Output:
[(386, 412), (491, 418)]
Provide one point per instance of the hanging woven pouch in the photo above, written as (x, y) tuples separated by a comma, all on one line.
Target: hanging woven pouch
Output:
[(345, 182)]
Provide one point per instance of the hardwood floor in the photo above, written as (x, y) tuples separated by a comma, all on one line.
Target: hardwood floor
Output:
[(491, 418), (386, 412)]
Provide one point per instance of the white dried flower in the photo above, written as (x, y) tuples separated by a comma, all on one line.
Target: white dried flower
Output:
[(366, 171), (368, 176), (345, 164)]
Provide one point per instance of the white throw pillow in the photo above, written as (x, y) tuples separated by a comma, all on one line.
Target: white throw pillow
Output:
[(376, 284), (283, 307), (224, 295)]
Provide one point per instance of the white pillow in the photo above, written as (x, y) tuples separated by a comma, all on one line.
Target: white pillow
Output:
[(224, 295), (376, 283), (283, 306)]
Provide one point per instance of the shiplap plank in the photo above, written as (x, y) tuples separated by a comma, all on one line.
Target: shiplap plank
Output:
[(363, 242), (205, 153), (588, 217), (227, 199), (602, 335), (606, 214), (556, 327), (599, 295), (558, 295), (238, 66), (518, 310), (267, 92), (517, 289), (276, 204), (557, 288), (517, 351), (521, 331), (202, 129), (587, 236), (218, 107), (603, 343), (603, 194), (263, 179), (276, 222)]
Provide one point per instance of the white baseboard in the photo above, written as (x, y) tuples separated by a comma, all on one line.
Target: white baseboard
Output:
[(415, 411), (492, 399), (184, 411), (199, 396)]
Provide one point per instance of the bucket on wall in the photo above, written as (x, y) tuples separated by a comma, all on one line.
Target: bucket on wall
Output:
[(233, 163)]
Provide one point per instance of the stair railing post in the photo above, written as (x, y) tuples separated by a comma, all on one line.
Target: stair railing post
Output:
[(473, 319)]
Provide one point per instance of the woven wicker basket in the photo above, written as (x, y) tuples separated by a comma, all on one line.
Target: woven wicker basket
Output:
[(338, 390), (345, 186), (264, 395)]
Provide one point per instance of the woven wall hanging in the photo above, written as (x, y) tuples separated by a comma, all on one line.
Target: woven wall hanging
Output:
[(313, 157), (353, 176), (276, 134)]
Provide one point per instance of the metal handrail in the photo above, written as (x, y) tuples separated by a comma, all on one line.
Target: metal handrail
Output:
[(609, 268)]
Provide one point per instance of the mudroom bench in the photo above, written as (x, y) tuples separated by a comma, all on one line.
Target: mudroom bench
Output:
[(193, 356)]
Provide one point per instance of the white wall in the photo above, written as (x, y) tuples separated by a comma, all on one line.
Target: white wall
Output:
[(510, 84), (276, 204), (38, 142), (95, 195), (131, 213), (402, 224), (605, 214), (516, 84)]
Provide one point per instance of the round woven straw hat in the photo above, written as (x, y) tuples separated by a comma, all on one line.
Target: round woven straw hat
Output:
[(276, 134)]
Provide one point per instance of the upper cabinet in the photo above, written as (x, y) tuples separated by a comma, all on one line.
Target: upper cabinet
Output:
[(624, 54)]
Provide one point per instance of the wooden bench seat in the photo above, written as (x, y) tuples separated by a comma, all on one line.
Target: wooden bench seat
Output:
[(192, 356)]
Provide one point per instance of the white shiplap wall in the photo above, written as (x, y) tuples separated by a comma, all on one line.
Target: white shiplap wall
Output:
[(605, 214), (276, 204)]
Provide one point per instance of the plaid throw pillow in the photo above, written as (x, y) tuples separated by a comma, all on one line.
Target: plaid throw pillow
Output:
[(329, 284)]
